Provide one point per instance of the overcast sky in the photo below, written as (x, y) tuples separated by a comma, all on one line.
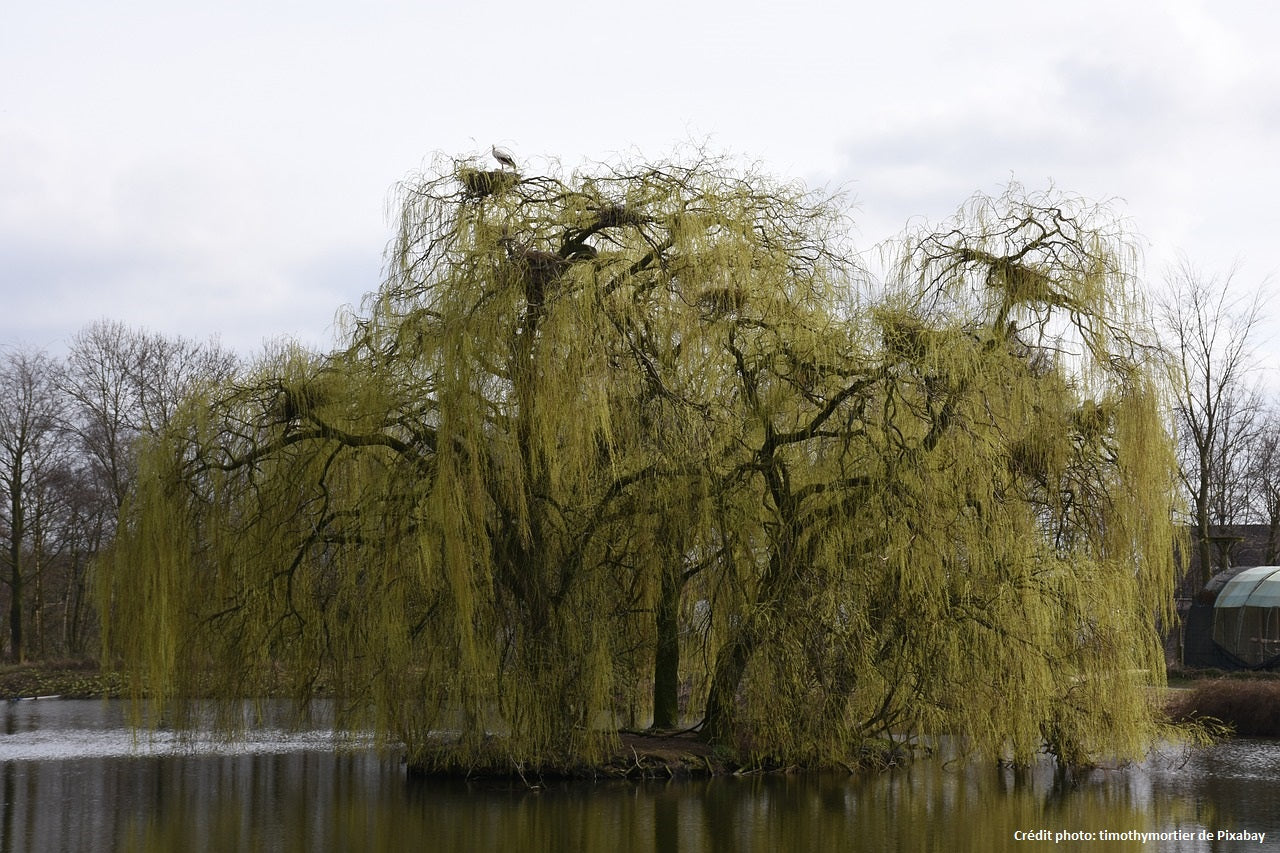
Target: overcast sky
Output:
[(224, 168)]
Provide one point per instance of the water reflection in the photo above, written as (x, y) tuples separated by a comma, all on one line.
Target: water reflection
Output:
[(72, 777)]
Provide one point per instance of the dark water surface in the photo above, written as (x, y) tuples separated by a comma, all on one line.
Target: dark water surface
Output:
[(73, 777)]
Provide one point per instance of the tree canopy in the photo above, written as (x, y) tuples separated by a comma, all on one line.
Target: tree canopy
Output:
[(645, 442)]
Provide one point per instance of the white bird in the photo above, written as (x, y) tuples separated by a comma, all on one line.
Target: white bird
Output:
[(504, 158)]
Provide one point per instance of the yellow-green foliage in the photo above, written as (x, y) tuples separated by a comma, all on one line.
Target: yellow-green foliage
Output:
[(945, 510)]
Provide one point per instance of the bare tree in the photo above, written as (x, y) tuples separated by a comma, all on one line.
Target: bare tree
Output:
[(1210, 323), (105, 414), (120, 384), (1263, 478), (68, 435), (127, 382), (31, 448)]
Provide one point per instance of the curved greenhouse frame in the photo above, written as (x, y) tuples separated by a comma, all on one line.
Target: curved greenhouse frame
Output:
[(1246, 617)]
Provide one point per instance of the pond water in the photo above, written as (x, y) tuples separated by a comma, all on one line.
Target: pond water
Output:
[(73, 777)]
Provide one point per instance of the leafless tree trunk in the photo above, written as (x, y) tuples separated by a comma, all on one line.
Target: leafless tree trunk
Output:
[(31, 444), (1210, 323), (1264, 481)]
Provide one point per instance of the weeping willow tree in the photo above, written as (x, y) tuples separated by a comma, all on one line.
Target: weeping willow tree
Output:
[(952, 513), (477, 515), (606, 439), (1027, 484)]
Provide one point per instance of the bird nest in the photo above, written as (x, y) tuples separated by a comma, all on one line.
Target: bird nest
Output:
[(479, 183)]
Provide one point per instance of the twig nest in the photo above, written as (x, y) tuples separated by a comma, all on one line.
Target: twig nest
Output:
[(480, 183)]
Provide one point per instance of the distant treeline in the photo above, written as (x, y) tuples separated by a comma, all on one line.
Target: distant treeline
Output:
[(69, 428)]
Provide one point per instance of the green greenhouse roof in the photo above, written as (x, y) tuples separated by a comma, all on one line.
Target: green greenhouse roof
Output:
[(1256, 587)]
